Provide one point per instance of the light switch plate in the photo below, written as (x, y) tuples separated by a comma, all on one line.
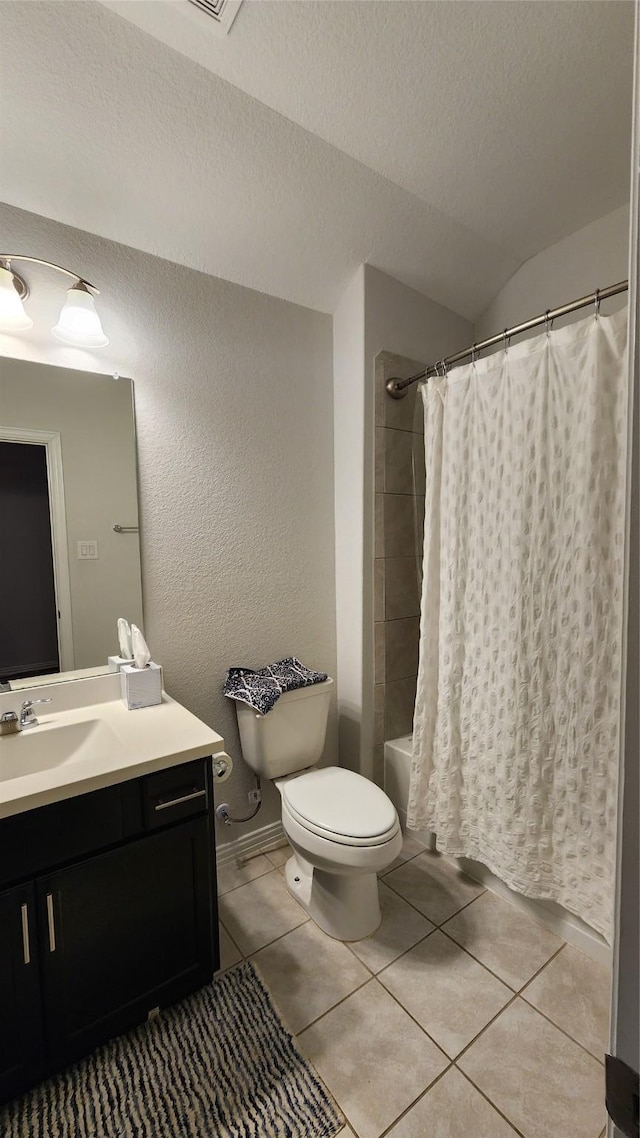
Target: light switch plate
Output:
[(87, 551)]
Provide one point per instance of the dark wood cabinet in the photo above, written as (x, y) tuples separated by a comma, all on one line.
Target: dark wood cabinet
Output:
[(21, 1025), (111, 936)]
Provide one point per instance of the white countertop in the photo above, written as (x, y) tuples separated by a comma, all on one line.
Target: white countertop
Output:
[(148, 739)]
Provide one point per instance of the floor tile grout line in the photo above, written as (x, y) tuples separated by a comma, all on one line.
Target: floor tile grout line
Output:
[(518, 996), (374, 980), (542, 968), (412, 1017), (253, 951), (515, 991), (450, 916), (236, 946), (490, 1101), (278, 869), (463, 948), (493, 1019), (272, 868), (507, 1005), (333, 1007), (375, 977), (561, 1029), (415, 1102), (396, 958)]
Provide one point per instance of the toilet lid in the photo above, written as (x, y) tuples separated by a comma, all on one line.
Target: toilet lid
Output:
[(338, 802)]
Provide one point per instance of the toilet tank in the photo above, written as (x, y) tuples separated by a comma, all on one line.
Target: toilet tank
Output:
[(291, 736)]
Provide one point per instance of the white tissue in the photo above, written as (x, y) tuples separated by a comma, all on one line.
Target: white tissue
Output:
[(140, 651), (124, 638)]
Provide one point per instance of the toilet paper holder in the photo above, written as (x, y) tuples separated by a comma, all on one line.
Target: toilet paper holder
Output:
[(222, 765)]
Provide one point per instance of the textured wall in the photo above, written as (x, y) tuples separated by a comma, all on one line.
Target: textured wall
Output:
[(234, 412)]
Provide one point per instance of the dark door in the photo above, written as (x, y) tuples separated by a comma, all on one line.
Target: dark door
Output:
[(125, 932), (29, 617), (21, 1055)]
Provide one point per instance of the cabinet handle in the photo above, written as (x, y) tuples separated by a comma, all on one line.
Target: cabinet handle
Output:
[(24, 913), (179, 801), (51, 923)]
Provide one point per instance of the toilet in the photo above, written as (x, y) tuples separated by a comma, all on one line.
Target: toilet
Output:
[(342, 828)]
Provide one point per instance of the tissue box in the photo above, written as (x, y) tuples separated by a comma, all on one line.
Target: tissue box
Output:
[(141, 687), (116, 662)]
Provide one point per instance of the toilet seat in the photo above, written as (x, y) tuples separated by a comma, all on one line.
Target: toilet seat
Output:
[(340, 806)]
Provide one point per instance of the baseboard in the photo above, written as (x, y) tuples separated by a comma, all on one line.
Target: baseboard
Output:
[(248, 845), (558, 920)]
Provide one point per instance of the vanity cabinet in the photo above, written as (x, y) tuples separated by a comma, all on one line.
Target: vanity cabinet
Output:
[(116, 919), (21, 1024)]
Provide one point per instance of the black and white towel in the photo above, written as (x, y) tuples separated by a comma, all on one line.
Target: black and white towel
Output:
[(261, 688)]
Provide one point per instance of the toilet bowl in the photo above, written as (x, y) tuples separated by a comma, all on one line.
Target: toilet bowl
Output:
[(343, 829)]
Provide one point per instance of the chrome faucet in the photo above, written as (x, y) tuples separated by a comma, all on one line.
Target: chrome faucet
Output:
[(27, 715), (11, 723)]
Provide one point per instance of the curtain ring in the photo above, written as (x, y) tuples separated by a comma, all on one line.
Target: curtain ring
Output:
[(548, 322), (507, 340), (474, 353), (596, 302)]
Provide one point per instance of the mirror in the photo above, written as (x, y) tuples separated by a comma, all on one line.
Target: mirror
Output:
[(70, 546)]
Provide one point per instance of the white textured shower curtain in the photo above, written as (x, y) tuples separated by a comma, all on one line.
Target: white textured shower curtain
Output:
[(517, 711)]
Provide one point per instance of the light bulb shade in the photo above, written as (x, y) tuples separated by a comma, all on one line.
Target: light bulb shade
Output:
[(13, 317), (79, 323)]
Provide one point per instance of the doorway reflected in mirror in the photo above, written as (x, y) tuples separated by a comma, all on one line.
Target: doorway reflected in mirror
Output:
[(70, 563)]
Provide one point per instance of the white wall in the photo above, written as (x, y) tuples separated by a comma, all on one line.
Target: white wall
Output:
[(402, 321), (94, 417), (590, 258), (234, 414), (407, 323), (376, 313), (349, 384)]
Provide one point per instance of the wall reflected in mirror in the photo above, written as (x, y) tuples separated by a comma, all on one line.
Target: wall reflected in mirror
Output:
[(68, 478)]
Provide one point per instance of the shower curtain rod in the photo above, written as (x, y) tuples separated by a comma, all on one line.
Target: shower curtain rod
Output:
[(397, 388)]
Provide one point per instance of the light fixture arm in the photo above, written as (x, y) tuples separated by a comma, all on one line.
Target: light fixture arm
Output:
[(7, 258)]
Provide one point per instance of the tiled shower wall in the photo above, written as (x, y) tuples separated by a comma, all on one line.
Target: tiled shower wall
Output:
[(399, 518)]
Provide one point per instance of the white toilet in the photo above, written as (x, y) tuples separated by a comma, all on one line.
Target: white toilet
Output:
[(342, 827)]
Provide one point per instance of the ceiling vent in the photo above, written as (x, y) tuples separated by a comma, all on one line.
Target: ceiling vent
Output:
[(223, 12)]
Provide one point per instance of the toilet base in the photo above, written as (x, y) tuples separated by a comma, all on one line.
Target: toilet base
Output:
[(345, 906)]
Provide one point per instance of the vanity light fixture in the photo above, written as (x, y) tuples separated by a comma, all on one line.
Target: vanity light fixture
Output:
[(78, 323), (13, 290)]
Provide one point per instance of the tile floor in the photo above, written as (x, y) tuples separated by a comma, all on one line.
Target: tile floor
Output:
[(461, 1016)]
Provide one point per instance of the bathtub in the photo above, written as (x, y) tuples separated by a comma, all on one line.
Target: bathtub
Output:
[(397, 768)]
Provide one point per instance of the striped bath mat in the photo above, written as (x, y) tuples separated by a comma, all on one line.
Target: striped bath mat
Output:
[(218, 1065)]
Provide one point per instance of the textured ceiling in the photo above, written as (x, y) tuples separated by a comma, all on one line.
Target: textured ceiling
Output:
[(442, 142)]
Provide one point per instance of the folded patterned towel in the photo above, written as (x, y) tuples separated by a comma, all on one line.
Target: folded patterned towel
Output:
[(261, 688)]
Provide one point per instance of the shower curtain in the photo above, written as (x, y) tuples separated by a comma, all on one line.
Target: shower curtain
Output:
[(515, 747)]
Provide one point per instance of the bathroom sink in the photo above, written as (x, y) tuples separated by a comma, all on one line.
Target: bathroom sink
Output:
[(52, 744)]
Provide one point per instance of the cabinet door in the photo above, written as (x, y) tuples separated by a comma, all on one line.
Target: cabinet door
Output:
[(21, 1037), (125, 932)]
